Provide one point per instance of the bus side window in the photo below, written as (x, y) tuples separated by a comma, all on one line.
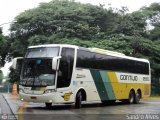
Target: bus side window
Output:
[(65, 67)]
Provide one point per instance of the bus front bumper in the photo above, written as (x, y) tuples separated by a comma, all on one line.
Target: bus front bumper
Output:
[(43, 98)]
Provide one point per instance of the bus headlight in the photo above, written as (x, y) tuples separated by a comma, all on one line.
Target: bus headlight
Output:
[(49, 91)]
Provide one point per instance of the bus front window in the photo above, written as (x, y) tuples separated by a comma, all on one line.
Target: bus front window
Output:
[(37, 68), (37, 72)]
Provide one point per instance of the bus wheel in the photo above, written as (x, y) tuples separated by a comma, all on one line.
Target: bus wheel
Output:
[(131, 97), (78, 103), (48, 105), (137, 97)]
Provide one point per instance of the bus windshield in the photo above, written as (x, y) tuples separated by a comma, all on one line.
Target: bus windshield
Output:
[(37, 72), (37, 67)]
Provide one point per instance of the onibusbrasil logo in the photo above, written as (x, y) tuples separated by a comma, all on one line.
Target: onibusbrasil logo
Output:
[(4, 116)]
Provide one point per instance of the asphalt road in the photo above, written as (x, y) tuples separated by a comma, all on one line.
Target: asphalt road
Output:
[(147, 109)]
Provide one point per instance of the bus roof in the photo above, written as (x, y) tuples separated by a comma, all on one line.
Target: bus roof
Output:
[(113, 53), (96, 50), (54, 45), (105, 51)]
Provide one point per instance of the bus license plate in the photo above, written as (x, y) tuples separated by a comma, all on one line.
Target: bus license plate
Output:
[(33, 97)]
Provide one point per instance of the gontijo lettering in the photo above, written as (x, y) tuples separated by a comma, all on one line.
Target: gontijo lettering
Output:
[(128, 77)]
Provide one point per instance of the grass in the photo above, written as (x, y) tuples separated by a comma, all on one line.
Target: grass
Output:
[(153, 97)]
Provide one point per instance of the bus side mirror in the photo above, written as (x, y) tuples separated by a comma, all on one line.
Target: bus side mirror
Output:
[(16, 61), (54, 62)]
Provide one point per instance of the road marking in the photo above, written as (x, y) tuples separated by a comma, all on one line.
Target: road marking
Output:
[(21, 110)]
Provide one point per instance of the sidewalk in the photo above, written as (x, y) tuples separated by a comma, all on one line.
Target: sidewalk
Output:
[(13, 102)]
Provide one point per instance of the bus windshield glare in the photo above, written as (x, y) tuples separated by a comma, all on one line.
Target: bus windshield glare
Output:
[(42, 52), (37, 67)]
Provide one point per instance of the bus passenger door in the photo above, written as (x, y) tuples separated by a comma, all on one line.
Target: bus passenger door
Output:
[(65, 73)]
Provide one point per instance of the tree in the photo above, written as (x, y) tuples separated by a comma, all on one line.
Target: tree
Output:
[(14, 75), (154, 33), (152, 14), (61, 19), (1, 76), (131, 24), (3, 48)]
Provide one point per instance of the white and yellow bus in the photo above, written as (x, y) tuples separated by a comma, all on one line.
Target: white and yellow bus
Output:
[(59, 73)]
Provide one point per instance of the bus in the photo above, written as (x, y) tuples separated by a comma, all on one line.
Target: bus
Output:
[(66, 74)]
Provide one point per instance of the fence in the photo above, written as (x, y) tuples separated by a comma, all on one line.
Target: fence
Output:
[(6, 88)]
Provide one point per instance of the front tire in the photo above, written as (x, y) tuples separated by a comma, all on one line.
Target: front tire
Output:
[(78, 103)]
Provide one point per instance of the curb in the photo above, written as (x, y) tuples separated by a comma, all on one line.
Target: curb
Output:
[(151, 98)]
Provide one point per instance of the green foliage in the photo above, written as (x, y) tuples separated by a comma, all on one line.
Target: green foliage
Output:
[(155, 34), (3, 47), (63, 19), (1, 76), (152, 12), (14, 75), (131, 24)]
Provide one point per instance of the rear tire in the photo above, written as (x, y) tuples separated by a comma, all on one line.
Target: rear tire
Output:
[(137, 97), (131, 98), (78, 103)]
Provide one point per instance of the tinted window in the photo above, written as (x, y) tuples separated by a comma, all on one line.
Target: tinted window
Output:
[(86, 59), (65, 67)]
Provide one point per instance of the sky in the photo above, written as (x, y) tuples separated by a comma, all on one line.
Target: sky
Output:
[(9, 9)]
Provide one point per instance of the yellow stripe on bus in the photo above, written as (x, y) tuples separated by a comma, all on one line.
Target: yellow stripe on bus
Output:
[(117, 87), (121, 90)]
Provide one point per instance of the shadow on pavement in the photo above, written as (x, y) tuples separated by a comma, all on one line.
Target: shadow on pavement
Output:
[(85, 105)]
